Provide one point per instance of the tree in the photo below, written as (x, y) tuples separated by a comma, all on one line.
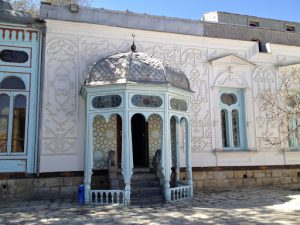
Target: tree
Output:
[(32, 6), (68, 2), (283, 103)]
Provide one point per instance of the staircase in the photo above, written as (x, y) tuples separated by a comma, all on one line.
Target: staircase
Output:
[(145, 188)]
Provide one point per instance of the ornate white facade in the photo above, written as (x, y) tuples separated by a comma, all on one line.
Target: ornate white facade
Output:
[(209, 64), (227, 68)]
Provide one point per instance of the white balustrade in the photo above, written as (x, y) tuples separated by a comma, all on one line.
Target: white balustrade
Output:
[(180, 193), (107, 197)]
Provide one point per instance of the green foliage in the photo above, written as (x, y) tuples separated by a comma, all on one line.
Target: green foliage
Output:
[(32, 6), (67, 2)]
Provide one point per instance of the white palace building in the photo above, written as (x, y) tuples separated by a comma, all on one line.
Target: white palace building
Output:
[(140, 108)]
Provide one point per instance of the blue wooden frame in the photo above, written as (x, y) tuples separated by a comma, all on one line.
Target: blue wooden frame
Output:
[(240, 107), (293, 139), (29, 72)]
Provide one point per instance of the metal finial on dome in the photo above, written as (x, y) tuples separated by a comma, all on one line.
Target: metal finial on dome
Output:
[(133, 47)]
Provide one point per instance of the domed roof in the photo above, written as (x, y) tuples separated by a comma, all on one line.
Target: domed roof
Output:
[(7, 14), (135, 67)]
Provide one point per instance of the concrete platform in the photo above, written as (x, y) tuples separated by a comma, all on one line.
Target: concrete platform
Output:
[(267, 205)]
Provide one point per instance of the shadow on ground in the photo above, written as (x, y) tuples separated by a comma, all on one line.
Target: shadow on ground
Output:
[(239, 206)]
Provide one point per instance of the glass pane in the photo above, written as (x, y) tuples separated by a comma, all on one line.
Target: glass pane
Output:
[(293, 133), (297, 133), (4, 113), (224, 128), (146, 101), (18, 137), (228, 99), (13, 56), (108, 101), (12, 83), (178, 104), (235, 128)]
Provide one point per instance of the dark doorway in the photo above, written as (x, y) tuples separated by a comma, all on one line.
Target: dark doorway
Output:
[(119, 141), (139, 129)]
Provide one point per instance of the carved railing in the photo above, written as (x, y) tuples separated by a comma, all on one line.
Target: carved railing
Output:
[(181, 192), (107, 197)]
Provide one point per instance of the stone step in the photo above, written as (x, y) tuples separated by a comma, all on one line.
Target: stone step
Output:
[(141, 170), (145, 188), (151, 200), (146, 176), (145, 183), (146, 191)]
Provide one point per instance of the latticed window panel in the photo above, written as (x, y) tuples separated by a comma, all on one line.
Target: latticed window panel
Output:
[(178, 104), (146, 101), (108, 101)]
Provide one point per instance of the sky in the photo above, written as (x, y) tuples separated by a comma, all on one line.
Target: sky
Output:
[(194, 9)]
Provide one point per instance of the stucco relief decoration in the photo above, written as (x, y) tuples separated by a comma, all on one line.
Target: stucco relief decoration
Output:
[(155, 135), (290, 73), (60, 98), (266, 120), (145, 47), (231, 78), (192, 60), (116, 46), (169, 53), (91, 50), (104, 140)]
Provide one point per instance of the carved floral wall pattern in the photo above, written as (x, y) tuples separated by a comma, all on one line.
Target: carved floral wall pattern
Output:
[(169, 53), (264, 79), (291, 73), (60, 115), (155, 135), (91, 49), (192, 60), (104, 140)]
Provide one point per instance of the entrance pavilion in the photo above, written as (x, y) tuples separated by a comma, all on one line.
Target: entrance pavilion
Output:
[(138, 107)]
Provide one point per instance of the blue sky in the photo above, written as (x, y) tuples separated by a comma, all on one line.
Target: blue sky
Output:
[(194, 9)]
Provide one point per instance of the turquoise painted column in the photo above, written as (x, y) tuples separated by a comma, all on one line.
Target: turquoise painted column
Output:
[(177, 151), (166, 152), (127, 152), (88, 158), (188, 156)]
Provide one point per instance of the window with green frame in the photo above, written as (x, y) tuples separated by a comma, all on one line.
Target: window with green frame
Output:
[(293, 125), (13, 114), (233, 128)]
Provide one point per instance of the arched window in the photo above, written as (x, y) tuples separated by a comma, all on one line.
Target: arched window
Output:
[(14, 83), (232, 119), (19, 122), (4, 118), (13, 107)]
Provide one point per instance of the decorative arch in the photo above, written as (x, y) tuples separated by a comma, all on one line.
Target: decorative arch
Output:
[(176, 116)]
